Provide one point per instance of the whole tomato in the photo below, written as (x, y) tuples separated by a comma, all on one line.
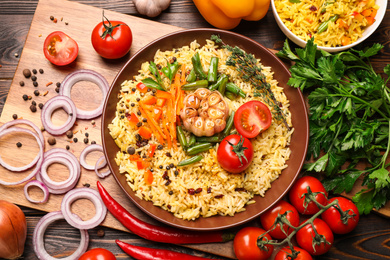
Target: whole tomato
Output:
[(306, 235), (267, 219), (111, 39), (285, 253), (298, 200), (235, 153), (245, 244), (98, 254), (332, 216)]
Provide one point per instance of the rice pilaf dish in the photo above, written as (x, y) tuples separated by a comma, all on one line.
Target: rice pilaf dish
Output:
[(331, 23), (203, 188)]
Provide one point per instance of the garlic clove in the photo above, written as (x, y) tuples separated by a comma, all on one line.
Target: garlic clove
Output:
[(198, 126), (202, 93), (214, 98), (192, 101), (215, 113), (219, 125)]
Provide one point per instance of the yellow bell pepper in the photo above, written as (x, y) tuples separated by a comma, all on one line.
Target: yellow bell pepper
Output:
[(227, 14)]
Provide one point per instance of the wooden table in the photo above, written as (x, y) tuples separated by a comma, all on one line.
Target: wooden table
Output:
[(371, 238)]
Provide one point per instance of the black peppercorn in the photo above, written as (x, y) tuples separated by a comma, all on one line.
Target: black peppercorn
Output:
[(93, 142), (144, 120), (35, 84), (33, 78), (168, 168), (40, 105), (86, 134), (27, 73), (170, 193), (139, 113), (130, 150), (33, 108), (132, 104), (25, 97), (86, 140), (133, 89), (19, 144), (34, 71), (15, 116), (160, 167), (57, 89), (139, 124), (171, 165), (21, 83), (159, 147), (58, 84), (36, 92), (41, 71), (138, 99), (75, 140), (67, 147), (33, 103), (69, 134), (51, 140)]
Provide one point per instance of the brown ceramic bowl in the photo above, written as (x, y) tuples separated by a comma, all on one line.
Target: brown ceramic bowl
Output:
[(299, 140)]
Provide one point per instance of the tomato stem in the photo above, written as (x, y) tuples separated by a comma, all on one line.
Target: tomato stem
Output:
[(108, 28)]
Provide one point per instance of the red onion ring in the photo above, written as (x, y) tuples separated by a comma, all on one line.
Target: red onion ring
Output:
[(83, 155), (98, 167), (85, 75), (39, 243), (38, 163), (40, 185), (37, 130), (83, 193), (62, 156), (50, 106)]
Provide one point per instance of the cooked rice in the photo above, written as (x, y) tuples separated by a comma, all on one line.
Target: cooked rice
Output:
[(222, 193), (304, 18)]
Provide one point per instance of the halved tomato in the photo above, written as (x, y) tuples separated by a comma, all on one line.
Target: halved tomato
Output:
[(60, 49), (252, 118)]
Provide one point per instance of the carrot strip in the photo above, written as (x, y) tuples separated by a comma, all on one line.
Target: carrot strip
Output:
[(154, 126)]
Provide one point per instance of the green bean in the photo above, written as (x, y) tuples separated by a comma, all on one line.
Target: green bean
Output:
[(324, 26), (182, 137), (222, 86), (192, 76), (153, 69), (235, 89), (192, 140), (171, 70), (219, 81), (150, 83), (197, 65), (208, 139), (230, 95), (191, 160), (229, 125), (212, 76), (199, 148), (195, 85)]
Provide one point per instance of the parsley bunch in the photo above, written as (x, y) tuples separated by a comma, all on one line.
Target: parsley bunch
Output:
[(349, 116)]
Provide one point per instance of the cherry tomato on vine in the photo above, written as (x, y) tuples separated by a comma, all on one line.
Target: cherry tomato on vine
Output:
[(285, 252), (267, 219), (306, 235), (111, 39), (332, 216), (235, 153), (60, 49), (300, 187), (252, 118), (98, 254), (245, 244)]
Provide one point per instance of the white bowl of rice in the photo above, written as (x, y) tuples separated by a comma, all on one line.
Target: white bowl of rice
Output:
[(335, 25)]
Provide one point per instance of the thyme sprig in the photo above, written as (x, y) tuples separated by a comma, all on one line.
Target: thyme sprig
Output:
[(251, 72)]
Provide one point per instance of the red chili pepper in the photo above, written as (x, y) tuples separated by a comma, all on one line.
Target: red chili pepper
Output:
[(158, 233), (145, 253)]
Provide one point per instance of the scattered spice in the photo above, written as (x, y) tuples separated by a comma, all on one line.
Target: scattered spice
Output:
[(41, 71), (58, 84), (21, 83), (93, 142), (40, 105), (15, 116), (51, 140), (75, 140), (67, 147), (36, 92), (51, 17), (34, 78), (33, 108), (49, 83), (100, 233), (26, 73), (35, 84), (86, 140), (55, 20), (86, 185), (69, 134), (46, 92), (57, 89), (93, 122), (19, 144), (34, 103), (34, 71)]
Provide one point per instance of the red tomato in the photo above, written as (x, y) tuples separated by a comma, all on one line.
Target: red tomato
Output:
[(245, 244), (252, 118), (332, 216), (267, 219), (112, 39), (60, 49), (235, 153), (300, 187), (285, 252), (98, 254), (306, 235)]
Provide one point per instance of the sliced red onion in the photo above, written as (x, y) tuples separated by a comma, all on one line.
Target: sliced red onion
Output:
[(41, 186), (62, 156), (50, 106), (38, 163), (98, 167), (85, 152), (85, 75), (83, 193), (39, 243)]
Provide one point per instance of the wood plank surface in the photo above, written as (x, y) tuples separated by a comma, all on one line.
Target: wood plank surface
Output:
[(367, 242)]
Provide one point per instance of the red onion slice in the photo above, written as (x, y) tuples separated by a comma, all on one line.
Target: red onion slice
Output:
[(39, 243), (98, 167), (62, 156), (38, 163), (41, 186), (83, 193), (50, 106), (85, 75), (85, 152)]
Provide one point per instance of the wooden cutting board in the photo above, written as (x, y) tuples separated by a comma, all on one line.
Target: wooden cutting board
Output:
[(76, 20)]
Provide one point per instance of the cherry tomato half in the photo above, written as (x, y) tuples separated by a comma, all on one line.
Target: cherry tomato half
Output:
[(300, 187), (252, 118), (111, 39), (98, 254), (306, 235), (285, 252), (245, 244), (60, 49), (332, 216), (267, 219), (235, 153)]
